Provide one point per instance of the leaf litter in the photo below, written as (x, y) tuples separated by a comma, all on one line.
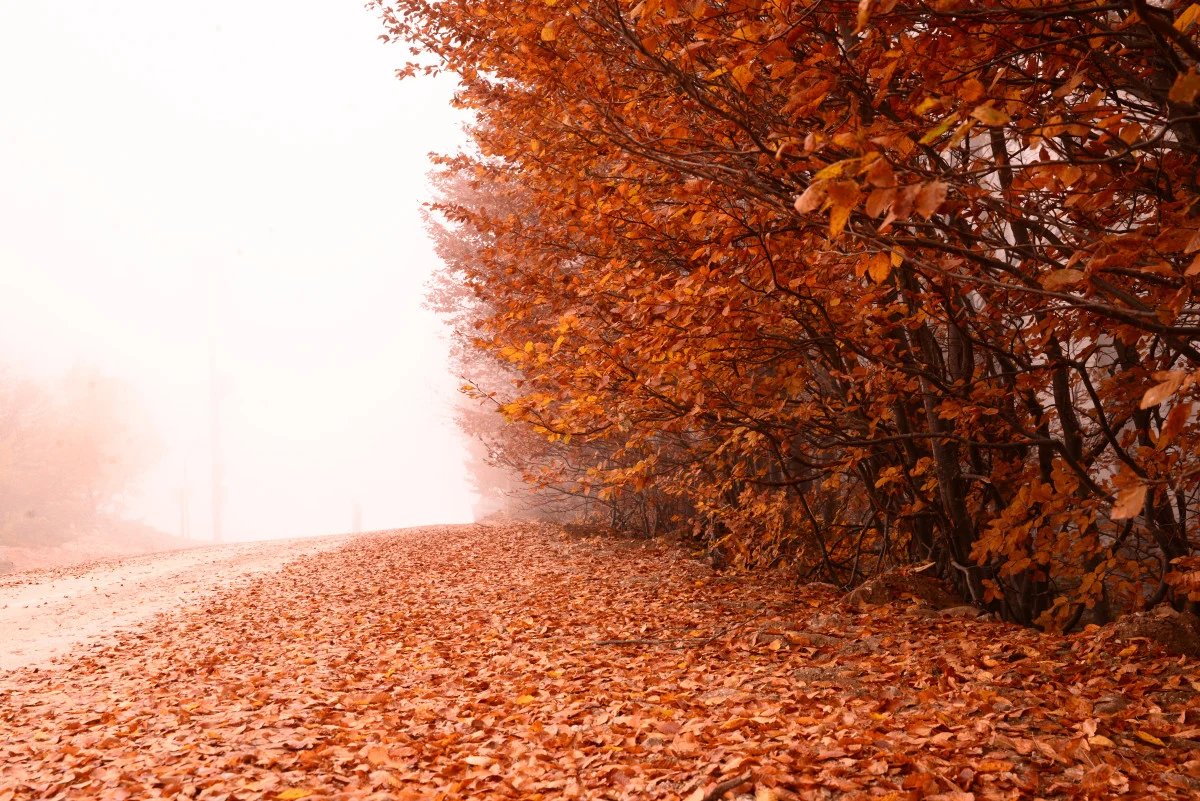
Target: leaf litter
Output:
[(514, 661)]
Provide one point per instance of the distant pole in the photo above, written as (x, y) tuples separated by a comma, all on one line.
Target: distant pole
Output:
[(214, 405), (214, 434), (184, 521)]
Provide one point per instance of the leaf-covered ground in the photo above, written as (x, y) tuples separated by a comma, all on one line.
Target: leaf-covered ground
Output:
[(515, 661)]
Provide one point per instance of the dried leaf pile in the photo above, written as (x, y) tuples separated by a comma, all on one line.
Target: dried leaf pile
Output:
[(513, 661)]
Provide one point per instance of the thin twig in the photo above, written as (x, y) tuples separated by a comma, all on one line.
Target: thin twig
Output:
[(813, 637), (728, 629), (725, 786)]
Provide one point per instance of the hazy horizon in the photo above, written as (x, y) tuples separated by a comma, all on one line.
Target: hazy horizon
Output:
[(232, 179)]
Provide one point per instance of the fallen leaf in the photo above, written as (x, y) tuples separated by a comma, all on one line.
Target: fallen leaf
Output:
[(1146, 737)]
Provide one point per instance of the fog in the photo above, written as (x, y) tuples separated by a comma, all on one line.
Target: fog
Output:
[(231, 190)]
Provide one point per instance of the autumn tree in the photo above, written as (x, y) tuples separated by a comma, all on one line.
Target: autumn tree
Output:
[(857, 283), (69, 451)]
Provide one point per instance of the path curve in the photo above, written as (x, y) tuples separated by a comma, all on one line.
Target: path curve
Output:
[(47, 613)]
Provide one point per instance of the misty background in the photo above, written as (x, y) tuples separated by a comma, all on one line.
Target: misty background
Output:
[(238, 182)]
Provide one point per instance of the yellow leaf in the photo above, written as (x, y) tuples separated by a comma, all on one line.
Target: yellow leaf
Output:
[(743, 76), (1146, 737), (833, 170), (838, 216), (1100, 741), (990, 116), (526, 699), (936, 132), (1130, 651), (478, 761), (928, 104), (746, 33), (550, 31), (293, 793), (1187, 18)]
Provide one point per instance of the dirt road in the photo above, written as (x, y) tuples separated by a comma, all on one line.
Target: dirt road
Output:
[(47, 613)]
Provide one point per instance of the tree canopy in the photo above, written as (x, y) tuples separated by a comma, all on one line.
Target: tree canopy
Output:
[(845, 284)]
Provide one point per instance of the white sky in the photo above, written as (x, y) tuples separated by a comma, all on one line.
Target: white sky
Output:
[(259, 158)]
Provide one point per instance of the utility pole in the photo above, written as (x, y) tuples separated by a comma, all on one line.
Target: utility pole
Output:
[(185, 522), (214, 436)]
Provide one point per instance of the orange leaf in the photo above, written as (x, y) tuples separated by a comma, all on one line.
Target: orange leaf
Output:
[(1173, 425), (971, 90), (880, 267), (930, 198), (1160, 392), (843, 196), (881, 174), (1057, 279), (1129, 502), (379, 757), (864, 14), (990, 116), (1194, 267), (879, 200), (1185, 88), (813, 197)]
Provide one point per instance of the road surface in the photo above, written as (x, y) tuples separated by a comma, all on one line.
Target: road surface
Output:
[(50, 612)]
